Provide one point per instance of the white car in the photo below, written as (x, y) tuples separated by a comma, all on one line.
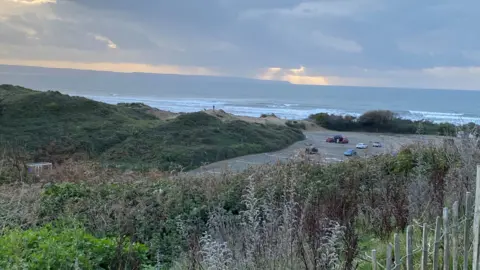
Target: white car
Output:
[(377, 144), (362, 146)]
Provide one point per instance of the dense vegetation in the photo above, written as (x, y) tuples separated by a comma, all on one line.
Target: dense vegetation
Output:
[(386, 121), (54, 127), (66, 247), (259, 219)]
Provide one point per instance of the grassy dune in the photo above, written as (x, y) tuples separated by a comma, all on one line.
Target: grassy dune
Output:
[(56, 127), (191, 140)]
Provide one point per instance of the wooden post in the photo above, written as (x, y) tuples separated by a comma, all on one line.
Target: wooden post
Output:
[(409, 248), (455, 236), (396, 243), (436, 244), (424, 247), (466, 229), (374, 259), (476, 222), (388, 264), (446, 243)]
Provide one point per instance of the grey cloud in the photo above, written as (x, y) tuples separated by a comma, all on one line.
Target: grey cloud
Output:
[(316, 9), (335, 43), (342, 37)]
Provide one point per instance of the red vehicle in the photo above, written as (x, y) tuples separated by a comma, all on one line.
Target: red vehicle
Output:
[(337, 139)]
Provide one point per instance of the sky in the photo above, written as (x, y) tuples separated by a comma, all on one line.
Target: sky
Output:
[(407, 43)]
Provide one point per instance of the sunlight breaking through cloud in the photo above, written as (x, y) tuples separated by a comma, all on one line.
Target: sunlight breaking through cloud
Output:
[(115, 67), (293, 75)]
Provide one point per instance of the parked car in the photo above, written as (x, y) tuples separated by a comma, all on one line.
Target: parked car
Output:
[(350, 152), (337, 139), (362, 146), (311, 150), (376, 144)]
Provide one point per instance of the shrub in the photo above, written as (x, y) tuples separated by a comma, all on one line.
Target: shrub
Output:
[(379, 120), (335, 122), (386, 121), (51, 247), (55, 197)]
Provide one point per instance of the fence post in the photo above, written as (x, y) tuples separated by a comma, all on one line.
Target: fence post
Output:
[(446, 244), (409, 248), (455, 235), (388, 263), (374, 259), (424, 247), (466, 229), (476, 221), (436, 243), (396, 243)]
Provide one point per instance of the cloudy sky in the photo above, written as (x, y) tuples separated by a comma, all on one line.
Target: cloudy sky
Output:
[(403, 43)]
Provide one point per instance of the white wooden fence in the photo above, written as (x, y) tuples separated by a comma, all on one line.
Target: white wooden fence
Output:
[(452, 246)]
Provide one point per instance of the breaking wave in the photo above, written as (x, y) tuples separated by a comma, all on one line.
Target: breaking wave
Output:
[(292, 111)]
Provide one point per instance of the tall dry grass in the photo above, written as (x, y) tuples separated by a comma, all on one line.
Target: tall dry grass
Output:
[(269, 232)]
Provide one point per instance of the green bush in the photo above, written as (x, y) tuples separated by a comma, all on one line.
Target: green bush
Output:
[(379, 120), (335, 122), (386, 121), (56, 197), (146, 211), (50, 247)]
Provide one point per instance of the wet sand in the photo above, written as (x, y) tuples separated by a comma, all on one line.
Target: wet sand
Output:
[(329, 152)]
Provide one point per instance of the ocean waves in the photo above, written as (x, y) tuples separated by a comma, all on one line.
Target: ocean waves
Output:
[(441, 117), (294, 111)]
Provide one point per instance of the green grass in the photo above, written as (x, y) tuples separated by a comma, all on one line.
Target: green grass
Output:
[(55, 127)]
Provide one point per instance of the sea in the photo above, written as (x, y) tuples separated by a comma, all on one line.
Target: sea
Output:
[(299, 101)]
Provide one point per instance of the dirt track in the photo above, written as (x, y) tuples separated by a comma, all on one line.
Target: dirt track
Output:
[(331, 152)]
